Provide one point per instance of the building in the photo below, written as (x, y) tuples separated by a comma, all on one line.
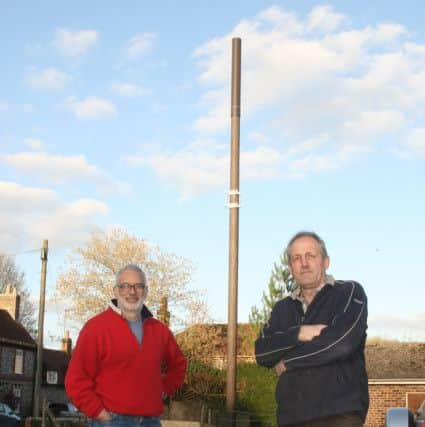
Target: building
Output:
[(18, 354), (55, 364), (396, 377), (396, 370), (17, 364)]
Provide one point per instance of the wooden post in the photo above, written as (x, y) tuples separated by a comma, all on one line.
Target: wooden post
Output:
[(39, 369)]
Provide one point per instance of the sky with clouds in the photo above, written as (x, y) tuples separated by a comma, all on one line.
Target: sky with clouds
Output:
[(119, 114)]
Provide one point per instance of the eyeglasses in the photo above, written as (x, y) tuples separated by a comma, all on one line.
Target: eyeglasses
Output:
[(134, 286)]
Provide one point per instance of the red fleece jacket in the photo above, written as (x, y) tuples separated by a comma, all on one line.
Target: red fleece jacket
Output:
[(110, 369)]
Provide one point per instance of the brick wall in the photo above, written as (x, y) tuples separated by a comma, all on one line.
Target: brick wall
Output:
[(54, 394), (10, 381), (387, 394), (7, 361), (10, 301)]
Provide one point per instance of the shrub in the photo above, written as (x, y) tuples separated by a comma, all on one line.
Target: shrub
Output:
[(204, 379), (256, 393)]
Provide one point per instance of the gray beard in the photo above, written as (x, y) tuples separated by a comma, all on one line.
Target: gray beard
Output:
[(132, 307)]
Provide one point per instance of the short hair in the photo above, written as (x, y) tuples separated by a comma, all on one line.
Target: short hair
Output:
[(311, 234), (130, 267)]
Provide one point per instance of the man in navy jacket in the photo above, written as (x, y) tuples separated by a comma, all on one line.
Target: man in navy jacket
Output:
[(315, 340)]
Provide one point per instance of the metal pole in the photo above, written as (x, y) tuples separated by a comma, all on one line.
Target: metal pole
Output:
[(38, 372), (233, 230)]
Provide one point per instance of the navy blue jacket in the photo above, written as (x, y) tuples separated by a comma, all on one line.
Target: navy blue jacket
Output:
[(325, 376)]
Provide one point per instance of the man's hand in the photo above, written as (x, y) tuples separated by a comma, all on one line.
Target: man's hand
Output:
[(280, 368), (308, 332), (104, 415)]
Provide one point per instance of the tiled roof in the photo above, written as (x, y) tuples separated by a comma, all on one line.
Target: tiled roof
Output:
[(55, 358), (384, 360), (12, 332), (391, 359)]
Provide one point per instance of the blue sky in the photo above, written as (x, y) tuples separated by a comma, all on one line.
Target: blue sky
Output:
[(119, 115)]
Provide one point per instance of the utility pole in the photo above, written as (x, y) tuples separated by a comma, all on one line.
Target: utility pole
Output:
[(233, 231), (39, 369)]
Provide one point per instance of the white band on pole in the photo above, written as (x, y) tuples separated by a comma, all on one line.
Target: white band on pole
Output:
[(233, 205)]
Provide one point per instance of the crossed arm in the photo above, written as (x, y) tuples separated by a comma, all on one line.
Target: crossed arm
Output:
[(313, 345), (306, 333)]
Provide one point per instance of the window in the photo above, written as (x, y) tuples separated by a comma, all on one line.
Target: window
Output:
[(17, 392), (414, 400), (19, 361), (51, 377)]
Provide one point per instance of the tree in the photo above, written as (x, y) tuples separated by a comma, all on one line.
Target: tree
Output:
[(10, 274), (280, 285), (86, 281)]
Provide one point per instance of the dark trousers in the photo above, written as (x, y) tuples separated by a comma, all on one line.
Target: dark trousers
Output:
[(343, 420)]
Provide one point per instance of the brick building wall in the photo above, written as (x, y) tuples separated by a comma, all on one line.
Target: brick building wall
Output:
[(7, 360), (386, 394), (21, 385), (54, 394)]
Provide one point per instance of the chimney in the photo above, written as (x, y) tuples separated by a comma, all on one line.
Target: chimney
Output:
[(163, 314), (66, 344), (10, 300)]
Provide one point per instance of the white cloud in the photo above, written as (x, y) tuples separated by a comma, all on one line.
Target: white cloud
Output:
[(92, 107), (201, 166), (31, 214), (190, 172), (312, 163), (14, 196), (129, 90), (325, 160), (317, 75), (415, 49), (309, 145), (139, 45), (47, 79), (280, 66), (261, 163), (258, 137), (284, 20), (57, 169), (389, 32), (74, 43), (369, 124), (275, 69), (415, 141), (217, 117), (406, 327), (323, 18), (33, 143)]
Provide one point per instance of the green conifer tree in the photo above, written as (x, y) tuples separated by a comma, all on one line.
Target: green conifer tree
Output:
[(280, 285)]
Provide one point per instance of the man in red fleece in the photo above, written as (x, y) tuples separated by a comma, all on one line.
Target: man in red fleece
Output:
[(125, 361)]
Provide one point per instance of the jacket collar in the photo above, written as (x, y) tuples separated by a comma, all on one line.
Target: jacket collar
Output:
[(296, 294), (145, 312)]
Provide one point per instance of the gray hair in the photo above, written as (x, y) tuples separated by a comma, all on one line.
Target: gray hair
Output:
[(131, 267), (311, 234)]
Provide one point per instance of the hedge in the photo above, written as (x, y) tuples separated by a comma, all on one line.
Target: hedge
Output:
[(256, 393)]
